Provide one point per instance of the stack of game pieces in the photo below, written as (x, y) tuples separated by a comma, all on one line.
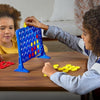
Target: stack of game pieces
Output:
[(5, 64), (66, 68)]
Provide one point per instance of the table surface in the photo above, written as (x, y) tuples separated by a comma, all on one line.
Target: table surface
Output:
[(34, 80)]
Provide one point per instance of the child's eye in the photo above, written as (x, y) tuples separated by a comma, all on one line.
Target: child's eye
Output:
[(11, 27), (2, 28)]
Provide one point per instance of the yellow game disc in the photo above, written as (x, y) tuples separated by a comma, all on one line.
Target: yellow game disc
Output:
[(55, 66), (37, 41), (44, 75), (35, 52), (74, 69), (25, 25), (31, 44), (37, 46), (66, 70), (34, 42)]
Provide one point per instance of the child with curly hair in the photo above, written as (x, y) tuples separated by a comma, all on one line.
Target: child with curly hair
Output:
[(9, 22), (89, 45)]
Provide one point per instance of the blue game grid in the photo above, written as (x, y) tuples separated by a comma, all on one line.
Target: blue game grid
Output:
[(30, 45)]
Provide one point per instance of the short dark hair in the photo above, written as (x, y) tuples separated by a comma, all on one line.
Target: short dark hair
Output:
[(91, 22), (8, 11)]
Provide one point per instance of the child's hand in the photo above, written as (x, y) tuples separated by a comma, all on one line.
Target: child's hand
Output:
[(32, 21), (48, 69)]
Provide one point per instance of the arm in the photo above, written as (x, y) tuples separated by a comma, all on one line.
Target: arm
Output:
[(71, 41), (89, 81), (80, 84), (55, 33)]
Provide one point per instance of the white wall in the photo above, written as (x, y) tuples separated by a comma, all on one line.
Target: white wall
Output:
[(42, 9), (63, 10), (45, 10), (53, 12)]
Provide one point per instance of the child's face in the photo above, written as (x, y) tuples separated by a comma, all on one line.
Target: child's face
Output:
[(7, 30), (86, 38)]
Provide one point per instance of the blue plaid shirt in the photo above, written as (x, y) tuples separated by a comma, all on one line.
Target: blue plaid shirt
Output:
[(90, 80)]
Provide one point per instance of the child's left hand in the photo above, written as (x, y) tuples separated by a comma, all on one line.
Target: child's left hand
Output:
[(48, 69)]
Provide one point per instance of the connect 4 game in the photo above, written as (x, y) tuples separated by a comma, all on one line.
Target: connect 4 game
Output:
[(30, 45)]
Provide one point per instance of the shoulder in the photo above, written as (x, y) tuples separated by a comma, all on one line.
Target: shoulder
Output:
[(2, 51), (45, 48), (14, 40), (82, 46), (86, 51), (96, 67)]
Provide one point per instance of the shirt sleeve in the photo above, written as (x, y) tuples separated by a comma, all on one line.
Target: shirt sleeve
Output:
[(45, 48), (84, 84), (1, 50)]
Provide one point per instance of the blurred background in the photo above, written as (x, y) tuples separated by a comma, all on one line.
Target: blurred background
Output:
[(51, 12)]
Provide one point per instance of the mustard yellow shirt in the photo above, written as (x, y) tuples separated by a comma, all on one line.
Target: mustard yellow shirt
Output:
[(14, 48)]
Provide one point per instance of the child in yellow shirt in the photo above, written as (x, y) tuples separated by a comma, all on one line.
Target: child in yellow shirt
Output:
[(9, 22)]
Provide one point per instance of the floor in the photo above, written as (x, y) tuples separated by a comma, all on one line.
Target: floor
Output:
[(14, 95)]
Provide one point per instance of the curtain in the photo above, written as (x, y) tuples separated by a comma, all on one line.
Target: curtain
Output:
[(82, 6)]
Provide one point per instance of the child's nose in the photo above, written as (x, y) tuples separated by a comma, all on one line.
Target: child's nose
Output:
[(7, 31)]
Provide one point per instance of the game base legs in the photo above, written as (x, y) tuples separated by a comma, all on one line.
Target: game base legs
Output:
[(43, 56), (21, 70)]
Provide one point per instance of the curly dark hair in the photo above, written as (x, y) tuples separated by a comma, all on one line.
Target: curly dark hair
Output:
[(91, 22), (8, 11)]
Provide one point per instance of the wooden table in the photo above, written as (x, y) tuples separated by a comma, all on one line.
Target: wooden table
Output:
[(34, 80)]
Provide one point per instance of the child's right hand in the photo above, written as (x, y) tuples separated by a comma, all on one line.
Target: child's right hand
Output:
[(48, 69), (32, 21)]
